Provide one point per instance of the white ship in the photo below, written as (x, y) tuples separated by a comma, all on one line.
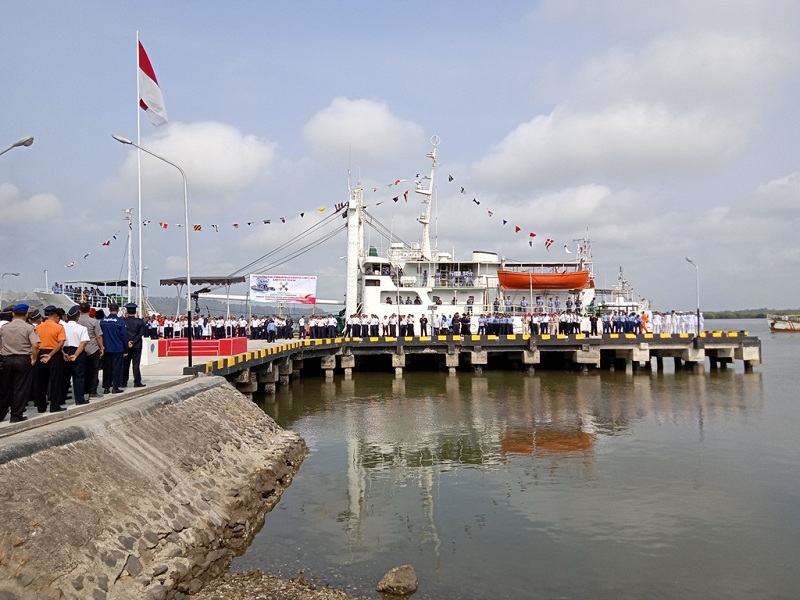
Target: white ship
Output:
[(418, 280)]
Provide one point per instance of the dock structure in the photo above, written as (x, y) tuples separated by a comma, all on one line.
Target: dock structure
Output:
[(265, 369)]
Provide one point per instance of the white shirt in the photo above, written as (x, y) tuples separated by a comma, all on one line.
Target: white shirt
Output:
[(76, 333)]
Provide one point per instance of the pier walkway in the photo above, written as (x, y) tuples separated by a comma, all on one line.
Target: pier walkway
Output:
[(267, 365)]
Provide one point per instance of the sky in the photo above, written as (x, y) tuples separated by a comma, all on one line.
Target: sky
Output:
[(664, 129)]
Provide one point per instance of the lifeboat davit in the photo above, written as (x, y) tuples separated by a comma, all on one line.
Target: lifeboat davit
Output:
[(526, 280)]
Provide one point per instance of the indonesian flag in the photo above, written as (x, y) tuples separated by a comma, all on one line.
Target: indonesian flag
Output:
[(150, 98)]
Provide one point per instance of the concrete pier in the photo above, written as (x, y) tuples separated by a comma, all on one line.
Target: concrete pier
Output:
[(629, 353)]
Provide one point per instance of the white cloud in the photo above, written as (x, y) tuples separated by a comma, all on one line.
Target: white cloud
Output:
[(730, 71), (361, 129), (15, 208), (631, 141), (219, 161)]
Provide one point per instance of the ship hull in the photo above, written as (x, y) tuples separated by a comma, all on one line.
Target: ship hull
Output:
[(784, 323)]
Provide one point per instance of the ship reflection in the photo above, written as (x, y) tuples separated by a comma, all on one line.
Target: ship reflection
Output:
[(415, 450), (434, 419)]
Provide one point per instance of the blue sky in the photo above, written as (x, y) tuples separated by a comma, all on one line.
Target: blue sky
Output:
[(666, 128)]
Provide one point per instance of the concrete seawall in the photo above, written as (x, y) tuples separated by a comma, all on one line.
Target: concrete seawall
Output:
[(146, 499)]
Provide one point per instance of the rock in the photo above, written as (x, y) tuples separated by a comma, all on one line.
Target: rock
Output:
[(133, 566), (399, 581), (157, 592)]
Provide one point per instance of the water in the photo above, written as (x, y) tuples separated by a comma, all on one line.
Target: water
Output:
[(551, 485)]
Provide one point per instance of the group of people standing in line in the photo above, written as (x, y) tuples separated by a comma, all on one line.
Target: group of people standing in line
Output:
[(46, 356), (203, 327)]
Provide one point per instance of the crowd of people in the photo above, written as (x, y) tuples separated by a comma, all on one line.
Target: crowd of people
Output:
[(204, 327), (48, 354)]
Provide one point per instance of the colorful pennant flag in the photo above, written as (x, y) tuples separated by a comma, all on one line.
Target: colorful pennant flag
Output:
[(198, 228), (163, 225)]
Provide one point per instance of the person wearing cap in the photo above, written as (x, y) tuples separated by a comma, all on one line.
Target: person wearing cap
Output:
[(93, 350), (19, 349), (48, 374), (136, 329), (75, 355), (115, 341)]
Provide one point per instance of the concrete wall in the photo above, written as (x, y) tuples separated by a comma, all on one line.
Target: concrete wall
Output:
[(146, 499)]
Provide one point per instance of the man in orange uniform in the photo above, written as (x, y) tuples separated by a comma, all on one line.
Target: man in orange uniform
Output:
[(49, 369)]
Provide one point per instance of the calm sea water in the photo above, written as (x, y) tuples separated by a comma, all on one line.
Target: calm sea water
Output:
[(507, 485)]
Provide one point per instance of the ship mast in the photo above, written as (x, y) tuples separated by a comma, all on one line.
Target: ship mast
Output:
[(427, 192), (355, 241)]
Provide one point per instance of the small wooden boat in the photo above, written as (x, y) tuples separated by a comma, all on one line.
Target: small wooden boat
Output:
[(525, 280), (784, 323)]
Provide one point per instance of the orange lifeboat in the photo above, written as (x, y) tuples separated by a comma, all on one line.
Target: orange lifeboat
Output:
[(525, 280)]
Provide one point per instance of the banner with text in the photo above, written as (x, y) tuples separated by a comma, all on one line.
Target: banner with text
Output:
[(296, 289)]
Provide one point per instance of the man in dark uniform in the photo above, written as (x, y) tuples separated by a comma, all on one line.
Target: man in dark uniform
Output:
[(136, 328), (115, 342)]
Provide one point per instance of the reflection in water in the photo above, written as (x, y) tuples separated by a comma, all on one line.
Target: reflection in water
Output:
[(502, 481)]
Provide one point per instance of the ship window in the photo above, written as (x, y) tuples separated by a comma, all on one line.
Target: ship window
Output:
[(372, 282)]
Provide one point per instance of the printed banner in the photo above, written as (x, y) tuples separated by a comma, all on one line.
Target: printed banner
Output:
[(296, 289)]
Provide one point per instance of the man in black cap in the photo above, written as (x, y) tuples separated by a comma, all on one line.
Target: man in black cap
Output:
[(115, 341), (136, 328), (94, 349), (48, 376), (75, 355), (19, 348)]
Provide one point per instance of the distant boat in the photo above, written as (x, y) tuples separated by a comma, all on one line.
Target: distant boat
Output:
[(784, 322), (525, 280)]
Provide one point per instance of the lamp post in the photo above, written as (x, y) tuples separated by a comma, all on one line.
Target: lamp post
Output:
[(123, 140), (23, 142), (1, 284), (697, 281)]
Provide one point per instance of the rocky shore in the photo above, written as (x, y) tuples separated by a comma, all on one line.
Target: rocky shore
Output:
[(255, 585), (150, 499)]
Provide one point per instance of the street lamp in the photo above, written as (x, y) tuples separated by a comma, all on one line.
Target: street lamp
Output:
[(1, 284), (123, 140), (697, 281), (23, 142)]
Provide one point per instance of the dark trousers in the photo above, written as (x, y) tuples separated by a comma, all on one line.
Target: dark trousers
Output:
[(133, 358), (15, 382), (92, 372), (112, 370), (76, 369), (48, 381)]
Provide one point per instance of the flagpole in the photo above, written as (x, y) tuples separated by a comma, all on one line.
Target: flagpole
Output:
[(139, 296)]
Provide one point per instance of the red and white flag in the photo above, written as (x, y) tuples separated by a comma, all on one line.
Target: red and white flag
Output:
[(547, 243), (163, 225), (150, 98)]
